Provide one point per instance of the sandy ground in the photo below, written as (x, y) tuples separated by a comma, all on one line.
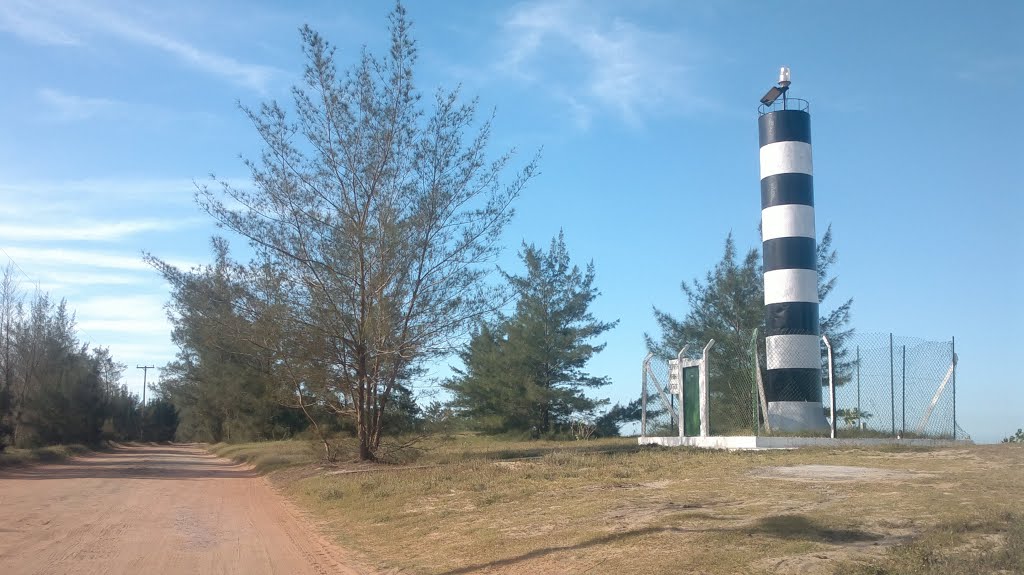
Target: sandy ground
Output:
[(154, 510)]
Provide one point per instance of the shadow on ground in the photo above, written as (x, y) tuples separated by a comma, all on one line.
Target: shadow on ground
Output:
[(136, 462), (793, 527)]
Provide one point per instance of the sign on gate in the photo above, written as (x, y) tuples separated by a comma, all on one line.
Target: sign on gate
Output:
[(674, 379)]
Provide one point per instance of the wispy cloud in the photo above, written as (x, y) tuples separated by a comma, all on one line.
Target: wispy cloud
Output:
[(251, 75), (70, 196), (32, 257), (89, 231), (132, 314), (156, 352), (61, 278), (68, 23), (32, 22), (126, 326), (65, 107), (628, 69)]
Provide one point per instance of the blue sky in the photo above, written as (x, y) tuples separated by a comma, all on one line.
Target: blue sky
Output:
[(646, 112)]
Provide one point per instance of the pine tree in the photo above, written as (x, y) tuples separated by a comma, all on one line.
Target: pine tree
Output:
[(383, 212), (528, 372), (727, 306)]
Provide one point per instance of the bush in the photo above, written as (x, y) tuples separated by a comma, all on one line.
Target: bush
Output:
[(1015, 438)]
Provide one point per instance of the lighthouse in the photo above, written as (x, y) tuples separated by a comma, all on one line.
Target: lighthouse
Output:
[(789, 249)]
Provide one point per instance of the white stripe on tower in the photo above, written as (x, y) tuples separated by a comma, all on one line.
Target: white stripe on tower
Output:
[(786, 158), (783, 286), (787, 221)]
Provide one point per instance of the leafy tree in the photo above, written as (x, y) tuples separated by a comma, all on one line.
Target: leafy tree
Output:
[(380, 215), (608, 423), (62, 393), (160, 421), (528, 372), (223, 380), (54, 388), (10, 314), (728, 306), (1015, 438), (835, 323), (852, 416), (124, 415)]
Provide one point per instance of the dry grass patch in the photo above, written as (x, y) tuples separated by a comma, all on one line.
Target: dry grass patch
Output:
[(268, 455), (477, 505), (51, 454)]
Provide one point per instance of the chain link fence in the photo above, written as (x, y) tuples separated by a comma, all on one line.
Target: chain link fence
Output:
[(895, 386), (886, 386), (659, 409)]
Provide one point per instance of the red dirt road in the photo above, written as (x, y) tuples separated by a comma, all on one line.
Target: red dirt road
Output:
[(160, 510)]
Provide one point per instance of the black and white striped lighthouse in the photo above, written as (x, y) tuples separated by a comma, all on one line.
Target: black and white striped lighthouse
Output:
[(793, 356)]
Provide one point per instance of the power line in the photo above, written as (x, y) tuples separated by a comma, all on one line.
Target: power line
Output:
[(28, 277)]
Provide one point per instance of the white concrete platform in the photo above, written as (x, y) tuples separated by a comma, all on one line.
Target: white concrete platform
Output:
[(757, 442)]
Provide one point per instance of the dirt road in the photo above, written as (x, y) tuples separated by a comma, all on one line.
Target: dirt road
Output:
[(150, 511)]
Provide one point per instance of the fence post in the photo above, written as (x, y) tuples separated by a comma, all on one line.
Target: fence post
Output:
[(903, 401), (643, 397), (760, 388), (753, 383), (858, 388), (953, 344), (892, 388), (705, 376), (831, 386), (672, 409), (679, 382)]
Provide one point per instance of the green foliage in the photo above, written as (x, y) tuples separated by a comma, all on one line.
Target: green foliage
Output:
[(728, 306), (160, 421), (608, 423), (836, 323), (1015, 438), (374, 237), (222, 382), (527, 372), (853, 416), (55, 389), (402, 415), (60, 394)]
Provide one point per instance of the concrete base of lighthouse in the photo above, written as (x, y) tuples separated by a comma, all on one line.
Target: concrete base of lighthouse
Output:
[(796, 416)]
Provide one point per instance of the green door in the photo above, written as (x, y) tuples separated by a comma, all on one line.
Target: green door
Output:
[(691, 401)]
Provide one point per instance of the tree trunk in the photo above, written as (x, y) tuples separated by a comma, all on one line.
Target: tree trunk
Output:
[(363, 423), (365, 438)]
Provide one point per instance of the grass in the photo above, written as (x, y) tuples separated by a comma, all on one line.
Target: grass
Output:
[(470, 504), (992, 545), (12, 457), (268, 456)]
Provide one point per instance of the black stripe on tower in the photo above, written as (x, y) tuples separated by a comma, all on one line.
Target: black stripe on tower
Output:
[(780, 189), (790, 253), (784, 126), (791, 318), (793, 384)]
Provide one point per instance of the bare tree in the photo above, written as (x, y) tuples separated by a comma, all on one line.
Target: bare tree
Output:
[(383, 217)]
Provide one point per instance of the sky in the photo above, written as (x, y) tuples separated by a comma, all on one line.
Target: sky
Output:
[(646, 112)]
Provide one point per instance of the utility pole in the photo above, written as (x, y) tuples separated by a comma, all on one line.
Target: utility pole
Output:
[(145, 371)]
